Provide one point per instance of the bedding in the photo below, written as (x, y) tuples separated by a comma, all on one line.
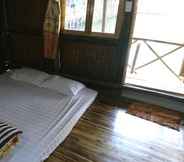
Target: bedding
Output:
[(45, 116), (9, 137), (28, 75), (63, 85), (42, 79)]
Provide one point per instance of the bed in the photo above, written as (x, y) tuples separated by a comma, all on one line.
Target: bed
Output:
[(45, 116)]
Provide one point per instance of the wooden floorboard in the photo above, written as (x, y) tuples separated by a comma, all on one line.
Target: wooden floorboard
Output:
[(109, 134)]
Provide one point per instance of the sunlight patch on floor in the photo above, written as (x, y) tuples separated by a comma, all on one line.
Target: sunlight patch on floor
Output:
[(143, 130)]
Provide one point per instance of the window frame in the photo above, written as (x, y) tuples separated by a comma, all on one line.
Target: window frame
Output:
[(89, 21)]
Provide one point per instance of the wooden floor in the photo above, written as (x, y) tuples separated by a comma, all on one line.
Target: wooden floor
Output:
[(108, 134)]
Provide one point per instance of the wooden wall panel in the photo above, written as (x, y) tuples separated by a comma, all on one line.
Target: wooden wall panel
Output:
[(28, 49), (25, 25), (95, 62), (2, 36), (1, 15), (26, 16)]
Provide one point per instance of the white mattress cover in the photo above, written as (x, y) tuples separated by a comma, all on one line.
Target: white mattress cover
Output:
[(81, 107), (43, 129)]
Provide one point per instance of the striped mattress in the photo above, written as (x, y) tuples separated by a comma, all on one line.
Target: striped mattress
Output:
[(9, 137)]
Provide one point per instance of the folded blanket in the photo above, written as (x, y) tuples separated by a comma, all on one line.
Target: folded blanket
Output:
[(9, 137)]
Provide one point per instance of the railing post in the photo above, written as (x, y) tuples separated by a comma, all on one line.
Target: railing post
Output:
[(135, 58), (182, 72)]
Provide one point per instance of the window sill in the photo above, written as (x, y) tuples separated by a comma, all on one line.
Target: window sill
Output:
[(164, 94), (91, 34)]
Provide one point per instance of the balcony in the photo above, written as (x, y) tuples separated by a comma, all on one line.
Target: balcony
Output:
[(156, 57), (157, 65)]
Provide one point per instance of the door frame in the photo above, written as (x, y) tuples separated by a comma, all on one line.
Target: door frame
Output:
[(153, 91), (130, 27)]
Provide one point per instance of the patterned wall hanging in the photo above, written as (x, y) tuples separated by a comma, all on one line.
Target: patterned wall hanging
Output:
[(52, 27)]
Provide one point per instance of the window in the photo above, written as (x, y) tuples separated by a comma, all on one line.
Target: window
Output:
[(93, 16), (75, 18), (105, 16)]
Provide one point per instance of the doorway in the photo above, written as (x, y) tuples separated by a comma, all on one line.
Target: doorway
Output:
[(156, 57)]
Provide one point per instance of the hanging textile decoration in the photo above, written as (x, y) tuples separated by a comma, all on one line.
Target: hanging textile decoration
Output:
[(52, 26)]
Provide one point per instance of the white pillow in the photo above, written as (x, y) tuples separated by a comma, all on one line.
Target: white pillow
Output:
[(29, 75), (63, 85)]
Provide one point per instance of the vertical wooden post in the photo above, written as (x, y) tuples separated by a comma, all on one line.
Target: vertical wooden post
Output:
[(89, 16)]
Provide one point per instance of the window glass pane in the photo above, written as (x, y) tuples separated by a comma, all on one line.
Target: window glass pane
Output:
[(111, 16), (105, 16), (75, 17), (98, 16)]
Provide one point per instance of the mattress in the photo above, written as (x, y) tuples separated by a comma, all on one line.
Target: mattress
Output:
[(46, 117)]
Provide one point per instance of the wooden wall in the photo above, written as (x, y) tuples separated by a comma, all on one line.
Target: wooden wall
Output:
[(1, 35), (92, 60), (25, 23), (97, 61), (1, 22), (1, 18)]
